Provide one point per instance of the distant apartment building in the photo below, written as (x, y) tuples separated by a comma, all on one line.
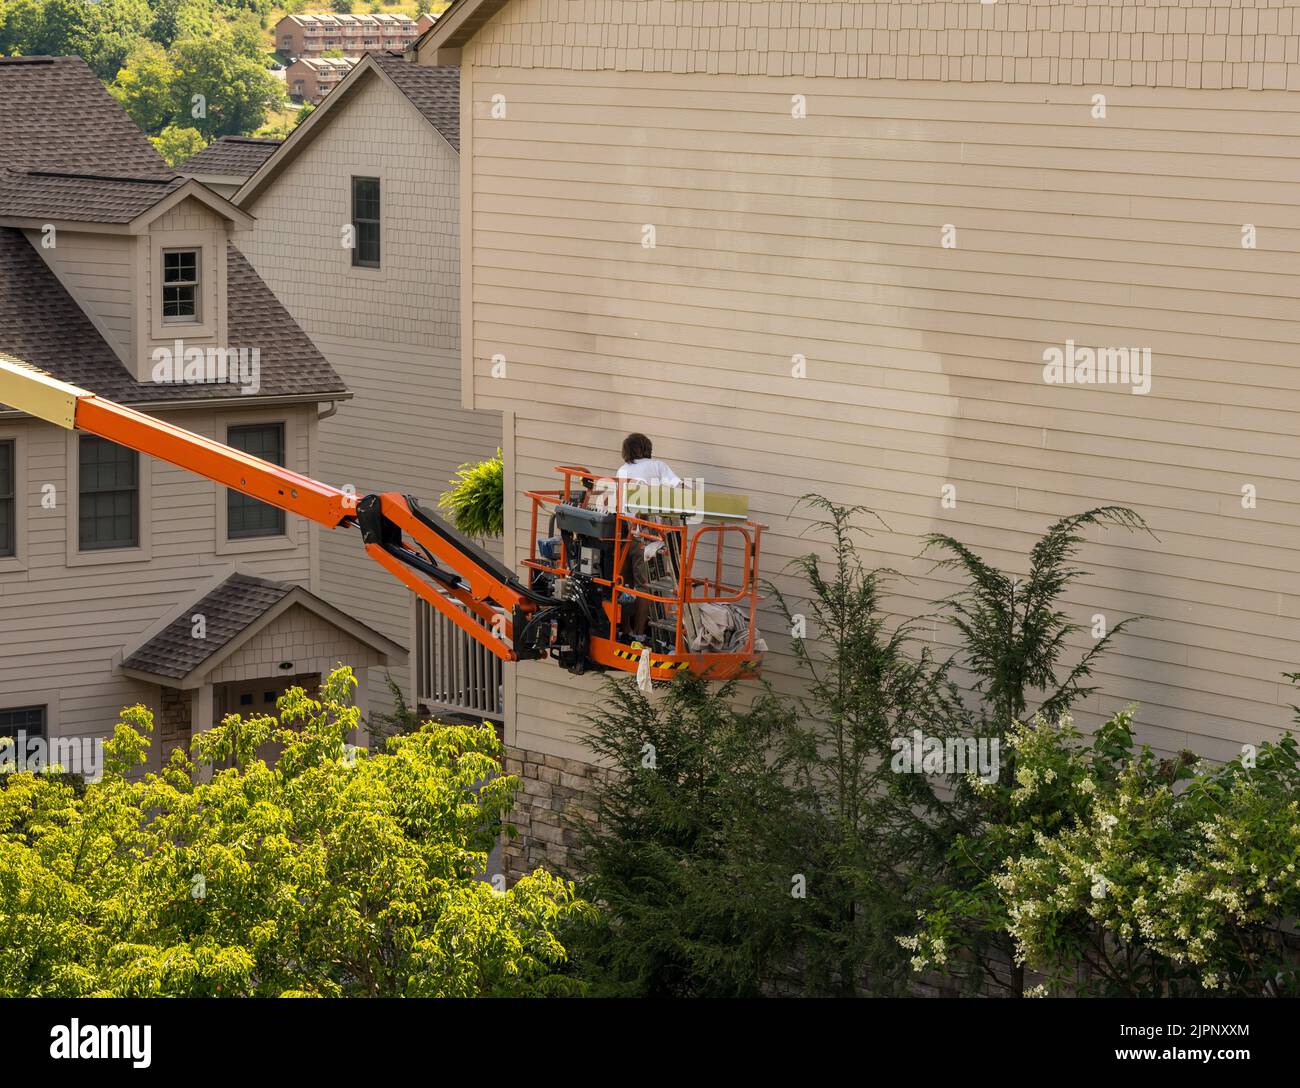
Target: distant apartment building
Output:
[(306, 36), (311, 79)]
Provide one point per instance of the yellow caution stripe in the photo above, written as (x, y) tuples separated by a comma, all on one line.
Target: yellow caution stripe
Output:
[(660, 664)]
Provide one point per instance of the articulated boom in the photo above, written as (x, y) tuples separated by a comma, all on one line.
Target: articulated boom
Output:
[(571, 615)]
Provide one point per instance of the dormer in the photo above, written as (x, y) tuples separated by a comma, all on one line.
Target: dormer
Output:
[(145, 257)]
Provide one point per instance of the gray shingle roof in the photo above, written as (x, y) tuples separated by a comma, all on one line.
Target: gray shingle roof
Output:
[(55, 115), (434, 90), (41, 324), (234, 156), (81, 198), (228, 610)]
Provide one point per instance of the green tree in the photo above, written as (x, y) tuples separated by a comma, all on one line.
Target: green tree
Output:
[(112, 28), (1014, 632), (869, 836), (176, 144), (330, 872), (222, 83), (145, 87), (173, 19), (44, 27), (682, 845), (1015, 641)]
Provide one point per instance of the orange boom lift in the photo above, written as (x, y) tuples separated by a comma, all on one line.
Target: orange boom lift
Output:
[(569, 609)]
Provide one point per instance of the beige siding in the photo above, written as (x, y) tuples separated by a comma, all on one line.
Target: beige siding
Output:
[(822, 237), (392, 333), (1251, 44), (98, 271), (63, 622)]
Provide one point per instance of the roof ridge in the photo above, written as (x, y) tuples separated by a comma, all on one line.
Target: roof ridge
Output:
[(139, 179)]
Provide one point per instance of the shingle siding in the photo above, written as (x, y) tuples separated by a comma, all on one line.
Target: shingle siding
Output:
[(1252, 44)]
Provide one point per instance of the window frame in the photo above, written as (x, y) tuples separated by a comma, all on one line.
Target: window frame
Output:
[(44, 709), (357, 261), (281, 528), (9, 544), (83, 440), (69, 501), (195, 285), (295, 529)]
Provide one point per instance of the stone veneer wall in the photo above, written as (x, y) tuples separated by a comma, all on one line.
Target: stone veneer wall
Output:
[(552, 792), (173, 725)]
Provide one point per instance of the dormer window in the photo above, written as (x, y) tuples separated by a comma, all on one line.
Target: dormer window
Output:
[(180, 298)]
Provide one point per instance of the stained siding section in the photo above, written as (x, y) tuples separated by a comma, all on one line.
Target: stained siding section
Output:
[(822, 237)]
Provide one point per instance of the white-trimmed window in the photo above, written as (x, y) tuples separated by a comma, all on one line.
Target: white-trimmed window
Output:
[(181, 280), (248, 518)]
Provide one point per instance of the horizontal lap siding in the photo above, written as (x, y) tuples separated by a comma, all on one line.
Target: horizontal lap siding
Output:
[(392, 334), (62, 627), (821, 236)]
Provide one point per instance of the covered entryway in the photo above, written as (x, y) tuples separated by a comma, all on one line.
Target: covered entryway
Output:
[(238, 645)]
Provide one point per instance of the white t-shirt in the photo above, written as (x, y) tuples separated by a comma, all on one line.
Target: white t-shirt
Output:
[(651, 471), (648, 470)]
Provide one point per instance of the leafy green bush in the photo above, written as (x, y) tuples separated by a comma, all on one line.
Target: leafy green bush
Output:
[(683, 846), (1014, 640), (329, 873), (477, 501)]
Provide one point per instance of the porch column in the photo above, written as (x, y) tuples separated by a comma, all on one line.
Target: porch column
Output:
[(201, 718)]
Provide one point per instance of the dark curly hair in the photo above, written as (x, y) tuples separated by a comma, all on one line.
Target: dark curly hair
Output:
[(637, 447)]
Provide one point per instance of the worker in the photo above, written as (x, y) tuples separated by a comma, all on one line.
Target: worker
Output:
[(639, 464)]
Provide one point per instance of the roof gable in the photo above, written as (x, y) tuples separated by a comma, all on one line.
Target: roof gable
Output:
[(235, 610), (434, 93), (41, 324), (460, 22)]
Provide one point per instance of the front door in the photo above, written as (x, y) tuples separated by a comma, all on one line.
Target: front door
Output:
[(250, 698)]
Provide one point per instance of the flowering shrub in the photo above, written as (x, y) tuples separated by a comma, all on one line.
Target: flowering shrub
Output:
[(1115, 872)]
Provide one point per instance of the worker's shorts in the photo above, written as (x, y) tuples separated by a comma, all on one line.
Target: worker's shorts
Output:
[(640, 568)]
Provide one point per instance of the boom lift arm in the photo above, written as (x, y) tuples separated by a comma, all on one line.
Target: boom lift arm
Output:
[(456, 577)]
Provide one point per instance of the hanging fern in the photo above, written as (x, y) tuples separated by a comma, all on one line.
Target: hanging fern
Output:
[(476, 502)]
